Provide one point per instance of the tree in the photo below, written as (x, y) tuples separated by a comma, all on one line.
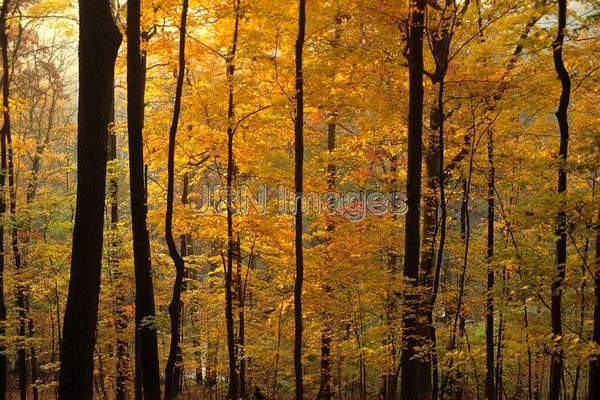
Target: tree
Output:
[(233, 390), (99, 41), (146, 347), (175, 305), (594, 378), (556, 366), (298, 187), (5, 129), (410, 386)]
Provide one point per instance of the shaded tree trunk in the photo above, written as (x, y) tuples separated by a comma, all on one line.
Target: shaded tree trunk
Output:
[(147, 368), (298, 185), (556, 366), (410, 384), (233, 388), (594, 373), (175, 305), (489, 323), (5, 128), (185, 250), (241, 288), (21, 289), (99, 41), (324, 392)]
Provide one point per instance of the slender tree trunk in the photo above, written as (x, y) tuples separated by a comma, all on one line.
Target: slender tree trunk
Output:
[(594, 374), (185, 250), (441, 176), (30, 194), (556, 367), (298, 185), (20, 286), (34, 367), (411, 367), (99, 41), (175, 305), (147, 368), (327, 332), (10, 171), (233, 389), (278, 350), (489, 323), (499, 384), (5, 128), (240, 287)]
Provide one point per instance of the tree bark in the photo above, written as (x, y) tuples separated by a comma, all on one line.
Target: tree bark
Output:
[(298, 186), (185, 250), (594, 373), (99, 41), (241, 289), (233, 388), (327, 332), (175, 305), (410, 385), (21, 289), (147, 368), (556, 366), (489, 323), (5, 128)]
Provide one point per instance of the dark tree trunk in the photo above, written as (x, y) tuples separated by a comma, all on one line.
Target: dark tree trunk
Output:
[(556, 366), (21, 287), (185, 250), (489, 324), (437, 173), (327, 332), (594, 385), (5, 128), (241, 288), (410, 386), (34, 366), (298, 185), (99, 41), (233, 388), (175, 305), (10, 171), (147, 368)]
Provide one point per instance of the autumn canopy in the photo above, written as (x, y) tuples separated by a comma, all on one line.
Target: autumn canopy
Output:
[(342, 199)]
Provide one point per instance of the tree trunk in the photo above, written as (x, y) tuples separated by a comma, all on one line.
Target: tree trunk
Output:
[(233, 388), (21, 289), (489, 323), (594, 379), (147, 368), (327, 332), (298, 185), (5, 128), (99, 41), (175, 305), (185, 250), (241, 288), (556, 367), (410, 386)]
